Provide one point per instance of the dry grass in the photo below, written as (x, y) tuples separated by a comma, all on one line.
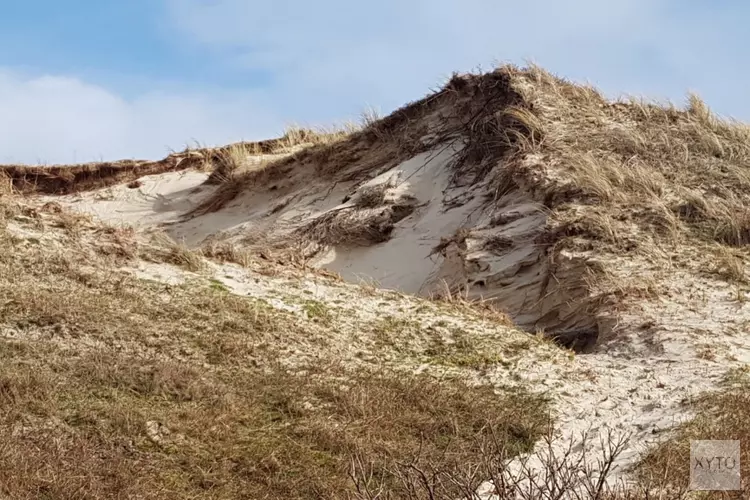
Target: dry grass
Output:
[(162, 248), (459, 300), (370, 116), (6, 184), (667, 172), (355, 226), (225, 163), (724, 415), (264, 256), (114, 387), (295, 135), (105, 425), (730, 265), (227, 252), (372, 196)]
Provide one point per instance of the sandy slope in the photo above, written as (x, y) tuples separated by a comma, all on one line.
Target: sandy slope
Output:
[(404, 261), (635, 384), (408, 261), (156, 199)]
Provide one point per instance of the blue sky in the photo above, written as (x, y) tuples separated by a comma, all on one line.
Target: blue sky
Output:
[(85, 80)]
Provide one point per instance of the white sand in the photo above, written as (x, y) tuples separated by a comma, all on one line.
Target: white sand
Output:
[(159, 199), (404, 262)]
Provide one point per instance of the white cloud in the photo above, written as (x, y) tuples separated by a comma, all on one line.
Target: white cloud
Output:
[(339, 52), (394, 47), (61, 120)]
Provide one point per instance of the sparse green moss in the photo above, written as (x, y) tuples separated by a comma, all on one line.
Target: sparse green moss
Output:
[(466, 351), (217, 285), (317, 311), (394, 332)]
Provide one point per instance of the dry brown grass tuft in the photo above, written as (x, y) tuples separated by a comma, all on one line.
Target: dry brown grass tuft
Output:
[(227, 252), (730, 265), (118, 242), (732, 225), (295, 135), (6, 184), (355, 226), (459, 300), (370, 116), (165, 249), (225, 163)]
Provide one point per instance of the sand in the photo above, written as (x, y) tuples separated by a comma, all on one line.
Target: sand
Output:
[(155, 200)]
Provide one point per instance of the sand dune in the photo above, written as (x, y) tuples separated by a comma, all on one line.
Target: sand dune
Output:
[(540, 198)]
